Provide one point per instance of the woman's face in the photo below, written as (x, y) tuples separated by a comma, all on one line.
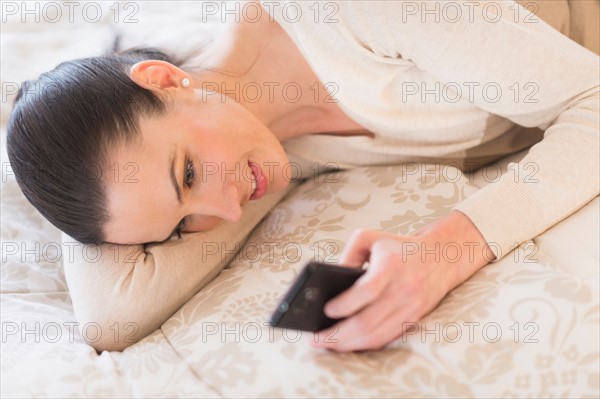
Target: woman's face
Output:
[(198, 163)]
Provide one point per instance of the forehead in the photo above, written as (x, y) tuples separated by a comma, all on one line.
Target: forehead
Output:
[(139, 192)]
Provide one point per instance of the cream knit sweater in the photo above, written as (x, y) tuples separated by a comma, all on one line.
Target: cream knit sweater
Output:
[(461, 83)]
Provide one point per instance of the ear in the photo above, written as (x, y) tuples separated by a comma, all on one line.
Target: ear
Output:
[(155, 74)]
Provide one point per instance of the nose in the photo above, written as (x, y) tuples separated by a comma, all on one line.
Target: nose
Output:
[(222, 203)]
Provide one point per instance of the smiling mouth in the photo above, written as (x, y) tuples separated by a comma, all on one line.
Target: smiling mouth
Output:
[(253, 185), (259, 183)]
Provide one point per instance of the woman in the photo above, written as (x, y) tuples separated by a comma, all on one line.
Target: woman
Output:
[(411, 87)]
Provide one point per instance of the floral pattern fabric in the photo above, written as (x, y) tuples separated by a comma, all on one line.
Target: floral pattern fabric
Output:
[(526, 326)]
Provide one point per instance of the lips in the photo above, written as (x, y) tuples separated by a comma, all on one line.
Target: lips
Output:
[(261, 181)]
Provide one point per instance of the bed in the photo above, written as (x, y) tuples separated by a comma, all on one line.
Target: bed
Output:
[(526, 326)]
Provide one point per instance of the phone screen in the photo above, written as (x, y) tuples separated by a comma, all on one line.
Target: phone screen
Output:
[(302, 306)]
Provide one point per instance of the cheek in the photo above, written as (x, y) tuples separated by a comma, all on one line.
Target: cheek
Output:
[(201, 223)]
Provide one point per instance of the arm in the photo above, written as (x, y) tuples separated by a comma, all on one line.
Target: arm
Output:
[(402, 283), (122, 293), (559, 92)]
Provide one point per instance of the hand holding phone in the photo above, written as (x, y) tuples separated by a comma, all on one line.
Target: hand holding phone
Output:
[(302, 306)]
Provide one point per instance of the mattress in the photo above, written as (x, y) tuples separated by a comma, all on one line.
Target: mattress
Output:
[(525, 326)]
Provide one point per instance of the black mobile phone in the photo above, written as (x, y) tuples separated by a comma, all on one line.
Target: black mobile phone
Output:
[(302, 306)]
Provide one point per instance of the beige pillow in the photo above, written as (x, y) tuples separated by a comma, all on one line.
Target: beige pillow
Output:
[(111, 285)]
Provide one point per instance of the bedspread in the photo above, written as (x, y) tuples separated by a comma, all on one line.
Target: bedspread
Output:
[(525, 326)]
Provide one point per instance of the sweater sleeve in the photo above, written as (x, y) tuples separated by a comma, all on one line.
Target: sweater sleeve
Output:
[(512, 64)]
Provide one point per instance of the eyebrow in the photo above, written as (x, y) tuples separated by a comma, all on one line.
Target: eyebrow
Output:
[(175, 185), (173, 177)]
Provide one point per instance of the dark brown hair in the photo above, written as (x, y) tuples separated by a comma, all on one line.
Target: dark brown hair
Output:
[(61, 127)]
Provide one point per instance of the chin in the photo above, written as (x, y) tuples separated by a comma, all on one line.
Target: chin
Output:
[(279, 187)]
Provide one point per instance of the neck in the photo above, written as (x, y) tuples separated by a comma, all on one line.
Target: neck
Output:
[(258, 65)]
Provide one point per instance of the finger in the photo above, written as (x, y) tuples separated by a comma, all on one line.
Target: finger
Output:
[(390, 329), (358, 249), (369, 286), (349, 337), (352, 332)]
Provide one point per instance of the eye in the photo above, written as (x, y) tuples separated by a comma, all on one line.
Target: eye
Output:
[(189, 174), (179, 228)]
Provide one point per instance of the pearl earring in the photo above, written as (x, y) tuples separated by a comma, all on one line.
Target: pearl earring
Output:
[(185, 82)]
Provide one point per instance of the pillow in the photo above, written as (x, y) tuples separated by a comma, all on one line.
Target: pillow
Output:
[(112, 284)]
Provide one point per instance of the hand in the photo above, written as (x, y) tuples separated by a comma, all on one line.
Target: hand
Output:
[(406, 279)]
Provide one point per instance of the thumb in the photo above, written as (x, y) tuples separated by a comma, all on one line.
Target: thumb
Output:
[(358, 249)]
